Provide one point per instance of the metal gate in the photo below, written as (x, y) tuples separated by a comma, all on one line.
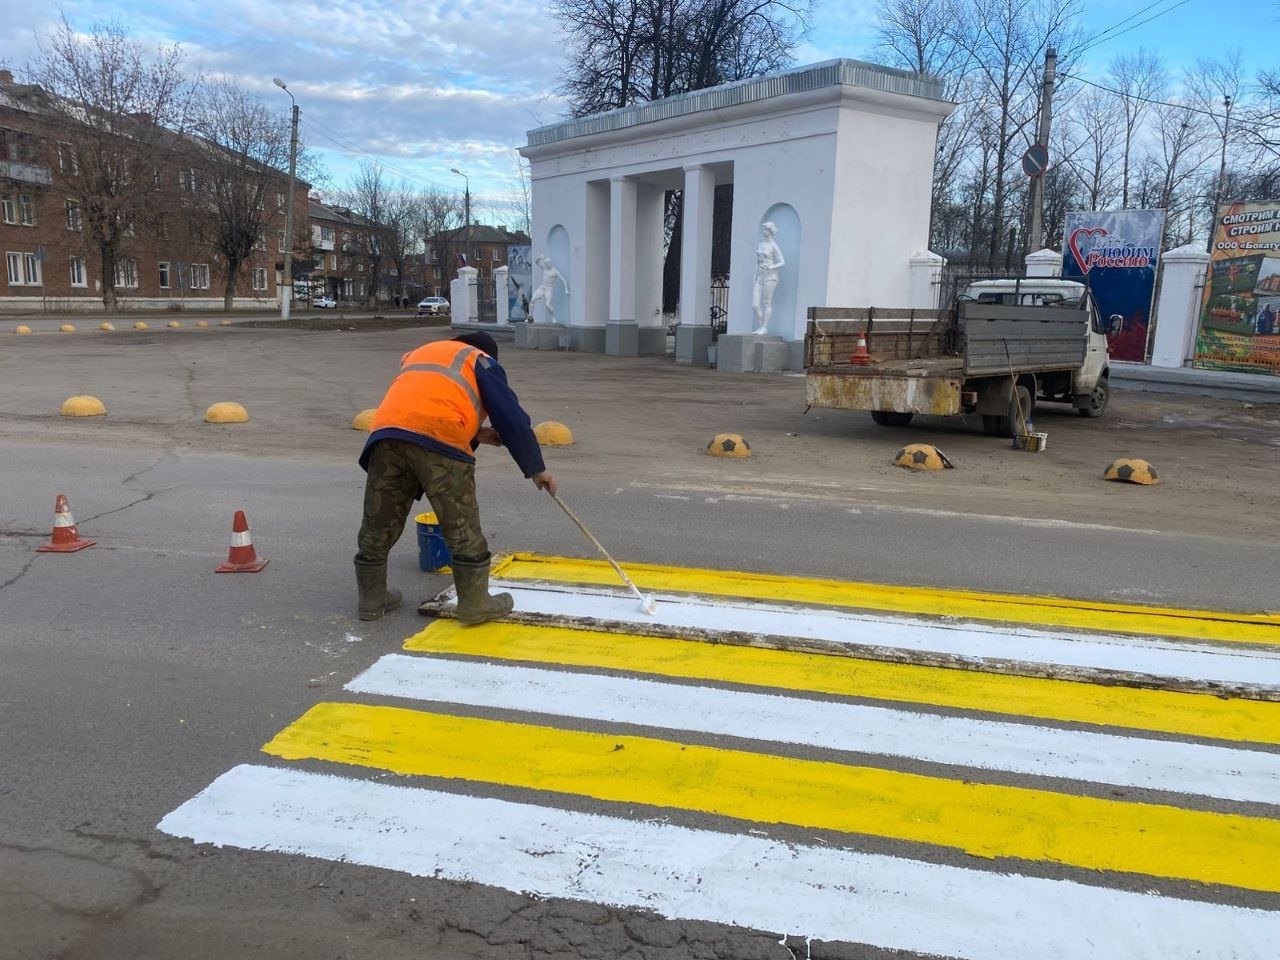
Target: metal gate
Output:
[(487, 301)]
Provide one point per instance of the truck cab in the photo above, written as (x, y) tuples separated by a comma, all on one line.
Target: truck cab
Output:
[(1089, 386)]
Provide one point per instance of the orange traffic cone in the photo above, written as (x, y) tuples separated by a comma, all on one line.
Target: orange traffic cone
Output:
[(66, 538), (241, 558), (860, 356)]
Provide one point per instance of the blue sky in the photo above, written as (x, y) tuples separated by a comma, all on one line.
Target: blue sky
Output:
[(425, 87)]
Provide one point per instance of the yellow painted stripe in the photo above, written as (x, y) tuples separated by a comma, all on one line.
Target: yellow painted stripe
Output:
[(1191, 714), (981, 819), (1262, 628)]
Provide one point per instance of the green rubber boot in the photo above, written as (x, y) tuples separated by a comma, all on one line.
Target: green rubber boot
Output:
[(375, 598), (475, 603)]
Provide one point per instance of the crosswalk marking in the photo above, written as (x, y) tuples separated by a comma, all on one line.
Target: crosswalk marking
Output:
[(1196, 715), (1229, 626), (984, 820), (1023, 650), (828, 894), (763, 722), (1242, 775)]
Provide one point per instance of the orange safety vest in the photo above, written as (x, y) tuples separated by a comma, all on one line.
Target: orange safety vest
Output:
[(436, 395)]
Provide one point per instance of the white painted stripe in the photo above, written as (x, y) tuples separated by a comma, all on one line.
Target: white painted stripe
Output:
[(241, 539), (1183, 660), (820, 893), (989, 745)]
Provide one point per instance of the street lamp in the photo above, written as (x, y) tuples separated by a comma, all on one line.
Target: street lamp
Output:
[(466, 208), (286, 298)]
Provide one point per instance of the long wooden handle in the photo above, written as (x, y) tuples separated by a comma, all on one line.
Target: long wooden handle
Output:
[(599, 546)]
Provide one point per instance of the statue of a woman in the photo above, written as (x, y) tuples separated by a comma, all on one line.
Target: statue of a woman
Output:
[(769, 261)]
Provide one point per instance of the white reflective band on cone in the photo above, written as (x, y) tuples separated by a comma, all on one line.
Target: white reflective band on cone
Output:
[(63, 520), (241, 539)]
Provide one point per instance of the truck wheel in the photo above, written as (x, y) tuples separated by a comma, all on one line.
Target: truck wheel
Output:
[(1006, 425), (1099, 399), (889, 418)]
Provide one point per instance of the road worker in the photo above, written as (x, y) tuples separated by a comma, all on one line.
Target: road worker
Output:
[(423, 439)]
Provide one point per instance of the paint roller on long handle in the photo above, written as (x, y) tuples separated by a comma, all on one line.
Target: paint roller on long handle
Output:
[(647, 605)]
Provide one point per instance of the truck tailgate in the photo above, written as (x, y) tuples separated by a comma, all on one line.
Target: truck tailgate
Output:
[(996, 336)]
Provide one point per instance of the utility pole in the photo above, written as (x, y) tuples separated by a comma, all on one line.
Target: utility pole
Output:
[(286, 296), (1036, 193), (1222, 174)]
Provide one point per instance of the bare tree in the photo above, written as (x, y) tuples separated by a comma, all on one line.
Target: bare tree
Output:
[(117, 107), (517, 207), (400, 218), (241, 150), (630, 51), (1094, 134), (1138, 78), (368, 200), (441, 218)]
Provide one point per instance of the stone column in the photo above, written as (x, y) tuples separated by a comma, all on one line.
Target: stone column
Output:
[(500, 290), (1044, 263), (621, 333), (693, 335), (462, 296), (1178, 309), (924, 280)]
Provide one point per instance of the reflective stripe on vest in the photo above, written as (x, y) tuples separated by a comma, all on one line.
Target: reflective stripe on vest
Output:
[(452, 372)]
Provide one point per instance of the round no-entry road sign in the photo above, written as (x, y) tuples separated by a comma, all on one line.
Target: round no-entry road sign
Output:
[(1036, 160)]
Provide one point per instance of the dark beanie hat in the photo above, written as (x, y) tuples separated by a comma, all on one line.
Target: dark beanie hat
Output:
[(481, 341)]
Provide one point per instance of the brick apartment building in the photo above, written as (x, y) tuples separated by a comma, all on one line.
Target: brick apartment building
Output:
[(49, 261), (484, 247), (337, 268)]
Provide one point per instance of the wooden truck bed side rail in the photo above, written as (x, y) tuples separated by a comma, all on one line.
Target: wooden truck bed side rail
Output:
[(892, 334)]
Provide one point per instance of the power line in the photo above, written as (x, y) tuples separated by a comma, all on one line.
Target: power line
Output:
[(1103, 35), (1164, 103)]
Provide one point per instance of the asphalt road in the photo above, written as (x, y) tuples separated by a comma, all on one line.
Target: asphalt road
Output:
[(131, 675)]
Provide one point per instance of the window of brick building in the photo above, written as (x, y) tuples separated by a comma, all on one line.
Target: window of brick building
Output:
[(67, 161), (259, 278), (280, 248), (77, 272), (164, 274), (26, 210), (127, 273), (73, 215), (13, 261), (497, 258), (8, 210), (199, 276), (31, 270)]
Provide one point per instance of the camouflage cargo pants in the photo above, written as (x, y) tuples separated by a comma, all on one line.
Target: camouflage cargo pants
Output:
[(397, 471)]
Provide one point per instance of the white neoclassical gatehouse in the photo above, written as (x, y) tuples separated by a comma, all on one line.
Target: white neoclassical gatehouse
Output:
[(837, 157)]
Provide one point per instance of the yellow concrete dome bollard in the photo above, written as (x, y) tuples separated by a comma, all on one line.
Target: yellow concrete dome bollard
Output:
[(140, 325), (364, 420), (729, 445), (224, 323), (226, 412), (552, 433), (922, 456), (174, 325), (1131, 470), (83, 406), (107, 326), (67, 328), (22, 330), (202, 323)]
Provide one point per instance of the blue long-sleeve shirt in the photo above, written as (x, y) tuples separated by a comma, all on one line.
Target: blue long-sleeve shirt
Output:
[(505, 413)]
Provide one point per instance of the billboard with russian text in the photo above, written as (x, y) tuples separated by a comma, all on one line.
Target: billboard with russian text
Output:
[(1240, 317), (1117, 252)]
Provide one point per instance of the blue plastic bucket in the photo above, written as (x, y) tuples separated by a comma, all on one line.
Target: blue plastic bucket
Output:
[(433, 552)]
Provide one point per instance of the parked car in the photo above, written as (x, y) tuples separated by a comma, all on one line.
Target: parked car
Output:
[(433, 306), (324, 303)]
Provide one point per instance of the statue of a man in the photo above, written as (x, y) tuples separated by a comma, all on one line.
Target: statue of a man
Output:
[(769, 261), (546, 289)]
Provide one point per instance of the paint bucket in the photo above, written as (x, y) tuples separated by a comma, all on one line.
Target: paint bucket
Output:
[(433, 552), (1030, 442)]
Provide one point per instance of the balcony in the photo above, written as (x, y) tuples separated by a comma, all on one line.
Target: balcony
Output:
[(25, 173)]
